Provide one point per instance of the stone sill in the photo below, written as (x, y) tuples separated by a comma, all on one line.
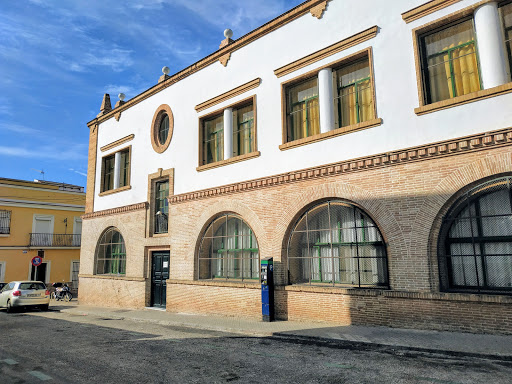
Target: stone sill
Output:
[(111, 191), (443, 296), (217, 283), (112, 277), (231, 160), (465, 99), (5, 234), (157, 235), (333, 133)]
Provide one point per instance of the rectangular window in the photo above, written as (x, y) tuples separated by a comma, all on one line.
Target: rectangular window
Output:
[(115, 170), (5, 222), (161, 206), (124, 174), (449, 62), (506, 15), (243, 130), (242, 133), (302, 110), (353, 95), (108, 164), (213, 139)]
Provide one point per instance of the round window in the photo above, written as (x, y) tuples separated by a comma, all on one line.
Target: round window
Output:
[(161, 128)]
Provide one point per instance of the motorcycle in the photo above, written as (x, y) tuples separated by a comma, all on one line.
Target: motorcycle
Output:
[(62, 292)]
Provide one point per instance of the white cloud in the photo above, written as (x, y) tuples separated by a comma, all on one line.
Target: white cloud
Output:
[(17, 128), (51, 152)]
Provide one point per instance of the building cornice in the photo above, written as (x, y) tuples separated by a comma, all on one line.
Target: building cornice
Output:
[(265, 29), (426, 9), (114, 211), (41, 205), (436, 150), (349, 42)]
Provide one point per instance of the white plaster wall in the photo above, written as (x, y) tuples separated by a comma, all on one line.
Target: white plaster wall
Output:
[(396, 98)]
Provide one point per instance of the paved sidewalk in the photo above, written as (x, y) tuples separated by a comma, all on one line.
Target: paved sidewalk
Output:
[(454, 343)]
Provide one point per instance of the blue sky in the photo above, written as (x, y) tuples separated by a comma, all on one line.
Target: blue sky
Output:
[(57, 59)]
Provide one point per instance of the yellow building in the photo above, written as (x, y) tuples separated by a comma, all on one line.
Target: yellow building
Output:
[(40, 218)]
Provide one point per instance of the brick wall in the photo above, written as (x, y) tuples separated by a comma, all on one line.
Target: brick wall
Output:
[(406, 200)]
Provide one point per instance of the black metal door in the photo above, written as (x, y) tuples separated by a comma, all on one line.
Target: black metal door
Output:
[(159, 275)]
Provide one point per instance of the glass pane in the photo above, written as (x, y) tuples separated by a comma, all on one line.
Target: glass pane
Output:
[(354, 99), (243, 130), (125, 168), (213, 139), (163, 129), (303, 110), (506, 14), (452, 67)]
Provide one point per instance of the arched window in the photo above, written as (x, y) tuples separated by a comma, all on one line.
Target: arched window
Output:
[(228, 250), (111, 253), (475, 242), (336, 243)]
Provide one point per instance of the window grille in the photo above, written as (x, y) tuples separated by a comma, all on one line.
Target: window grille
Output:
[(450, 63), (228, 250), (302, 110), (111, 253), (353, 101), (336, 243), (5, 222), (475, 243)]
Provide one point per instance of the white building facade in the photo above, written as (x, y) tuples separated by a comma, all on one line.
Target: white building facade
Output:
[(366, 148)]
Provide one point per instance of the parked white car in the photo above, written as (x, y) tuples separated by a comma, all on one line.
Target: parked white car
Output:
[(24, 294)]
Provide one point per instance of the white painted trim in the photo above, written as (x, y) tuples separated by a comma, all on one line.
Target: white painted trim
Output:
[(41, 189), (48, 269), (41, 204), (71, 269), (50, 218), (2, 271), (76, 219)]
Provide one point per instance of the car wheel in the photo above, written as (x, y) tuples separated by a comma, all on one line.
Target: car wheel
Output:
[(44, 307), (10, 309)]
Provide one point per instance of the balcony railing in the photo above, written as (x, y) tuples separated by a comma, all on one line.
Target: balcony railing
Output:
[(161, 223), (54, 240), (5, 230)]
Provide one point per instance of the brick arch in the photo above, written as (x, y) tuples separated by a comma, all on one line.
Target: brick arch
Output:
[(228, 206), (435, 205), (363, 198)]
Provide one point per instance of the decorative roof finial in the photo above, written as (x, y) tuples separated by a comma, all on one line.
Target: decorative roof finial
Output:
[(106, 107)]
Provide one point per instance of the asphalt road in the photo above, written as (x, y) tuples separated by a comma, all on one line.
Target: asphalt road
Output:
[(55, 347)]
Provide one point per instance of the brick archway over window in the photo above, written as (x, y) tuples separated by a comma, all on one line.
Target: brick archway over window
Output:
[(444, 194), (162, 112)]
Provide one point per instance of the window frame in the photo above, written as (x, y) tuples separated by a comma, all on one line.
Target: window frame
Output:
[(119, 260), (441, 23), (338, 284), (7, 218), (335, 65), (424, 57), (227, 216), (219, 112), (153, 179), (508, 47), (121, 188), (165, 205), (462, 200), (158, 116)]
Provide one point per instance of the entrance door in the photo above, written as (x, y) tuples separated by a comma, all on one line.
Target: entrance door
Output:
[(39, 273), (159, 275)]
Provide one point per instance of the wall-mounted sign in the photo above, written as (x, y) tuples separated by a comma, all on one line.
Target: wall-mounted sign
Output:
[(37, 261)]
